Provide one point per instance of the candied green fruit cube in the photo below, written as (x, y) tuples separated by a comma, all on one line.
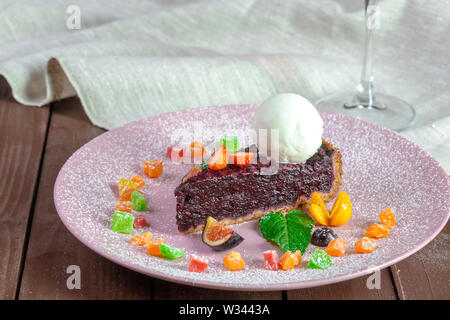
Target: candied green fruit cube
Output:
[(170, 252), (122, 222), (138, 201), (319, 260), (230, 142)]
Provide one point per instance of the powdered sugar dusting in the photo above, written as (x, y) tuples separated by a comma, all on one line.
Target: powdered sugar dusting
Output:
[(381, 169)]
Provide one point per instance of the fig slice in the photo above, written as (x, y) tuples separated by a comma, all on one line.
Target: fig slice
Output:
[(218, 236)]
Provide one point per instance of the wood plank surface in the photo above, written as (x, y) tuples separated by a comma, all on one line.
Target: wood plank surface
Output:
[(22, 137), (167, 290), (426, 274), (352, 289), (51, 247)]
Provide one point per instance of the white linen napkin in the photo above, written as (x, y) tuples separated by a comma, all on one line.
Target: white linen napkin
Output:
[(139, 58)]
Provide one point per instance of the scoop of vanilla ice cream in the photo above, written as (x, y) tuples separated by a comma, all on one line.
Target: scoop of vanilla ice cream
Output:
[(299, 123)]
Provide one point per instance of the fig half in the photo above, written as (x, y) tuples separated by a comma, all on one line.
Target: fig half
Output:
[(219, 237)]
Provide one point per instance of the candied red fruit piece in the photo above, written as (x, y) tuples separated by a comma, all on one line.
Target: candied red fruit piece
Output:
[(197, 264), (175, 153), (271, 260), (241, 158), (139, 221)]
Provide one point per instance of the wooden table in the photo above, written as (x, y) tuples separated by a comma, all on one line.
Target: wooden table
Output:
[(36, 249)]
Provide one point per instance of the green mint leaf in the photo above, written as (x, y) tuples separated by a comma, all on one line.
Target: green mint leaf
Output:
[(291, 232)]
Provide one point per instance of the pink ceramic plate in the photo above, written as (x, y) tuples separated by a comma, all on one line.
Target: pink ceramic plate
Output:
[(381, 169)]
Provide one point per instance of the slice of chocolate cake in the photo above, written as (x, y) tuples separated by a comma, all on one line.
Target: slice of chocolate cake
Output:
[(240, 193)]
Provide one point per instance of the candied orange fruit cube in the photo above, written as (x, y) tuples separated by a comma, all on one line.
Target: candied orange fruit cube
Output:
[(124, 206), (365, 245), (336, 247), (387, 218), (138, 180), (141, 240), (233, 261), (289, 260), (377, 231), (153, 247), (126, 193), (123, 183), (153, 168)]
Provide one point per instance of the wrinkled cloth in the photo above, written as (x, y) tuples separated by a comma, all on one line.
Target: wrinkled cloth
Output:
[(133, 59)]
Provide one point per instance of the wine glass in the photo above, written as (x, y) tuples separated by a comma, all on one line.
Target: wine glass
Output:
[(363, 103)]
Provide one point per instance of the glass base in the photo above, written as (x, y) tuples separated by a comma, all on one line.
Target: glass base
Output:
[(384, 110)]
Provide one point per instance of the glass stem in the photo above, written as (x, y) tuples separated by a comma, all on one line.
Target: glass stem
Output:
[(365, 94), (365, 87)]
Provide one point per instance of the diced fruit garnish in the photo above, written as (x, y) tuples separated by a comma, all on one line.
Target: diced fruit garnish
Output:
[(153, 247), (336, 247), (197, 150), (322, 236), (124, 206), (138, 180), (230, 142), (138, 201), (319, 260), (123, 183), (198, 144), (218, 236), (377, 231), (340, 214), (233, 261), (271, 260), (219, 159), (197, 264), (170, 252), (365, 245), (387, 218), (175, 153), (139, 221), (126, 193), (197, 153), (289, 260), (241, 158), (122, 222), (153, 168), (141, 240)]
